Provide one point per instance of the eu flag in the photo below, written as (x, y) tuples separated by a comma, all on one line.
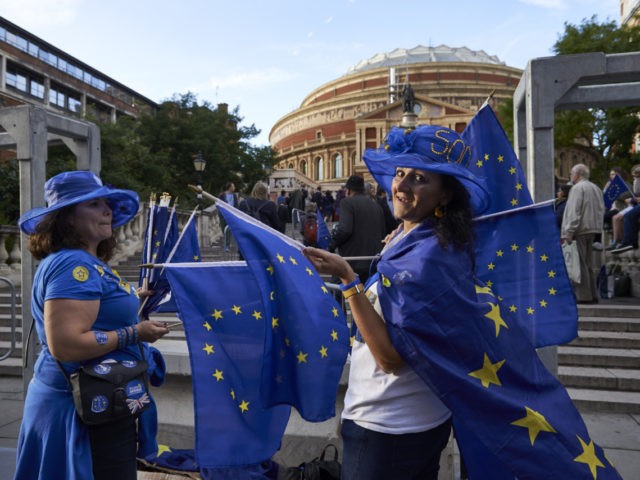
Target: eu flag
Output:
[(450, 328), (225, 324), (615, 188), (518, 255), (493, 157), (307, 344), (324, 237)]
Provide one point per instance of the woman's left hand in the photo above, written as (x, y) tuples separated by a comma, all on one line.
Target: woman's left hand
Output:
[(329, 263)]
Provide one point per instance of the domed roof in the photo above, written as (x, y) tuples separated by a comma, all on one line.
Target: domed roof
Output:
[(422, 54)]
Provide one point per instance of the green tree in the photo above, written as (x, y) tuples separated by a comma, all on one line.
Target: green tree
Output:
[(607, 133)]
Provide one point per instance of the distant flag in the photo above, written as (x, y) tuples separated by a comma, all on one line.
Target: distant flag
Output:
[(493, 157), (225, 324), (307, 344), (616, 187), (324, 237), (517, 254)]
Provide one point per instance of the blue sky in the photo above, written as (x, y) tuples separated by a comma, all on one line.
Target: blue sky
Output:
[(266, 56)]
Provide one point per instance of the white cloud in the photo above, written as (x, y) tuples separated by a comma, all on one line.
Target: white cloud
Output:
[(328, 20), (32, 14), (256, 79)]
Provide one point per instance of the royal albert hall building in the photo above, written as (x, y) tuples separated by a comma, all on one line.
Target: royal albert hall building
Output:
[(321, 143)]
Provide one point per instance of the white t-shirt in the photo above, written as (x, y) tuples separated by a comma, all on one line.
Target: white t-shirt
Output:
[(393, 403)]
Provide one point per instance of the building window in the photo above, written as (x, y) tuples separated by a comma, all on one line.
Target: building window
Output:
[(319, 170), (290, 165), (319, 135), (75, 105), (303, 167), (337, 165), (57, 98), (17, 81), (36, 89)]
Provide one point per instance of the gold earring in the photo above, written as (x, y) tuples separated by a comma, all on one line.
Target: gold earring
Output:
[(439, 212)]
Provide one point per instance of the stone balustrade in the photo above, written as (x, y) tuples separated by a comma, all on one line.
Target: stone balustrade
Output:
[(130, 238)]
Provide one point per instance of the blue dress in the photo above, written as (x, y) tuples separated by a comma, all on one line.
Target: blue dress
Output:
[(53, 442)]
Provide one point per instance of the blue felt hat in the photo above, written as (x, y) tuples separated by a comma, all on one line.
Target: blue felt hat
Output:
[(431, 148), (70, 188)]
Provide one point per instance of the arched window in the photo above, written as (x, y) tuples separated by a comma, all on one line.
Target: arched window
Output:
[(319, 170), (290, 165), (303, 167), (337, 165)]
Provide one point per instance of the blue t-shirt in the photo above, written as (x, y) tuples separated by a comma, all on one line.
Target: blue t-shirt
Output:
[(78, 275)]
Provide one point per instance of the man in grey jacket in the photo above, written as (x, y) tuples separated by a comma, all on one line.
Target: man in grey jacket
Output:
[(581, 221)]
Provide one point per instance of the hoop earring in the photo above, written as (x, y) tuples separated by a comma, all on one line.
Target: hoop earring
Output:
[(439, 211)]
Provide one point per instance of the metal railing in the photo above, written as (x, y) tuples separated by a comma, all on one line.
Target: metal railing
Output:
[(12, 290)]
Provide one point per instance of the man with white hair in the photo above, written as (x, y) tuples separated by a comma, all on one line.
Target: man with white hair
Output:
[(582, 220)]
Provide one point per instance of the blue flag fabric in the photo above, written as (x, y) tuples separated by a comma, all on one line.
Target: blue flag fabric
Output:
[(518, 255), (308, 342), (226, 324), (493, 158), (450, 329), (324, 237), (616, 187)]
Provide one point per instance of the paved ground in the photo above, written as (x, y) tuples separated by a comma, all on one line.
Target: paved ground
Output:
[(618, 434)]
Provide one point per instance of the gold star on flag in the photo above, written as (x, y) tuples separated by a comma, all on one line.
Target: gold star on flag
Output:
[(217, 314), (209, 349), (302, 357), (385, 281), (514, 202), (488, 374), (486, 156), (512, 170), (499, 253), (233, 393), (552, 291), (480, 289), (551, 274), (270, 269), (195, 258), (309, 271), (280, 258), (244, 406), (236, 309), (518, 186), (163, 449), (272, 295), (274, 322), (334, 310), (334, 335), (489, 283), (530, 310), (494, 316), (543, 303), (500, 158), (514, 248), (293, 260), (323, 351), (491, 266), (324, 289), (287, 342), (513, 308), (257, 315), (479, 163), (157, 243), (544, 257), (535, 423), (219, 374), (589, 457), (529, 249), (207, 326)]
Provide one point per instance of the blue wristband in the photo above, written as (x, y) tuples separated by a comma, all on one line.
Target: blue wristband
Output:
[(351, 285)]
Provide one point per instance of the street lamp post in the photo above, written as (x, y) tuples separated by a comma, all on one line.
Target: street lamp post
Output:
[(199, 163)]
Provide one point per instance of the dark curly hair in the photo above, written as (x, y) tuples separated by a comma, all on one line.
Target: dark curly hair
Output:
[(55, 232), (456, 226)]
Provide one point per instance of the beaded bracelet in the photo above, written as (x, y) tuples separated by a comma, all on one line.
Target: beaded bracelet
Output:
[(121, 338), (352, 284), (135, 335)]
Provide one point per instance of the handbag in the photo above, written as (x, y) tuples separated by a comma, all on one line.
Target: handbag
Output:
[(572, 260), (109, 391), (319, 468)]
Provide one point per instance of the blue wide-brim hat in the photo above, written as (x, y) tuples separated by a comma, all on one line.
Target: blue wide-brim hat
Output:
[(70, 188), (431, 148)]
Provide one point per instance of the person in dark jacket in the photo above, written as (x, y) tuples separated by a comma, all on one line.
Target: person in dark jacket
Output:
[(258, 203), (361, 228)]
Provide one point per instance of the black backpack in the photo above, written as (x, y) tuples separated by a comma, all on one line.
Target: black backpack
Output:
[(317, 469), (254, 209)]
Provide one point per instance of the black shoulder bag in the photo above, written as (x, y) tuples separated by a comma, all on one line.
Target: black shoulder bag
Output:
[(110, 390)]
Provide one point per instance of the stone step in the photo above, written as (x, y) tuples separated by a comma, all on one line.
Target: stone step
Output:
[(609, 310), (11, 367), (6, 334), (614, 379), (611, 324), (607, 339), (591, 400), (599, 357)]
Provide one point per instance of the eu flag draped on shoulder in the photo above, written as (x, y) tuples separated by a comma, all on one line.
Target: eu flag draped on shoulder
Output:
[(616, 187), (308, 340), (515, 417), (518, 255), (324, 237)]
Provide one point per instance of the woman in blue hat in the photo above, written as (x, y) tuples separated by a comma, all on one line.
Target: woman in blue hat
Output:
[(393, 425), (83, 313)]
